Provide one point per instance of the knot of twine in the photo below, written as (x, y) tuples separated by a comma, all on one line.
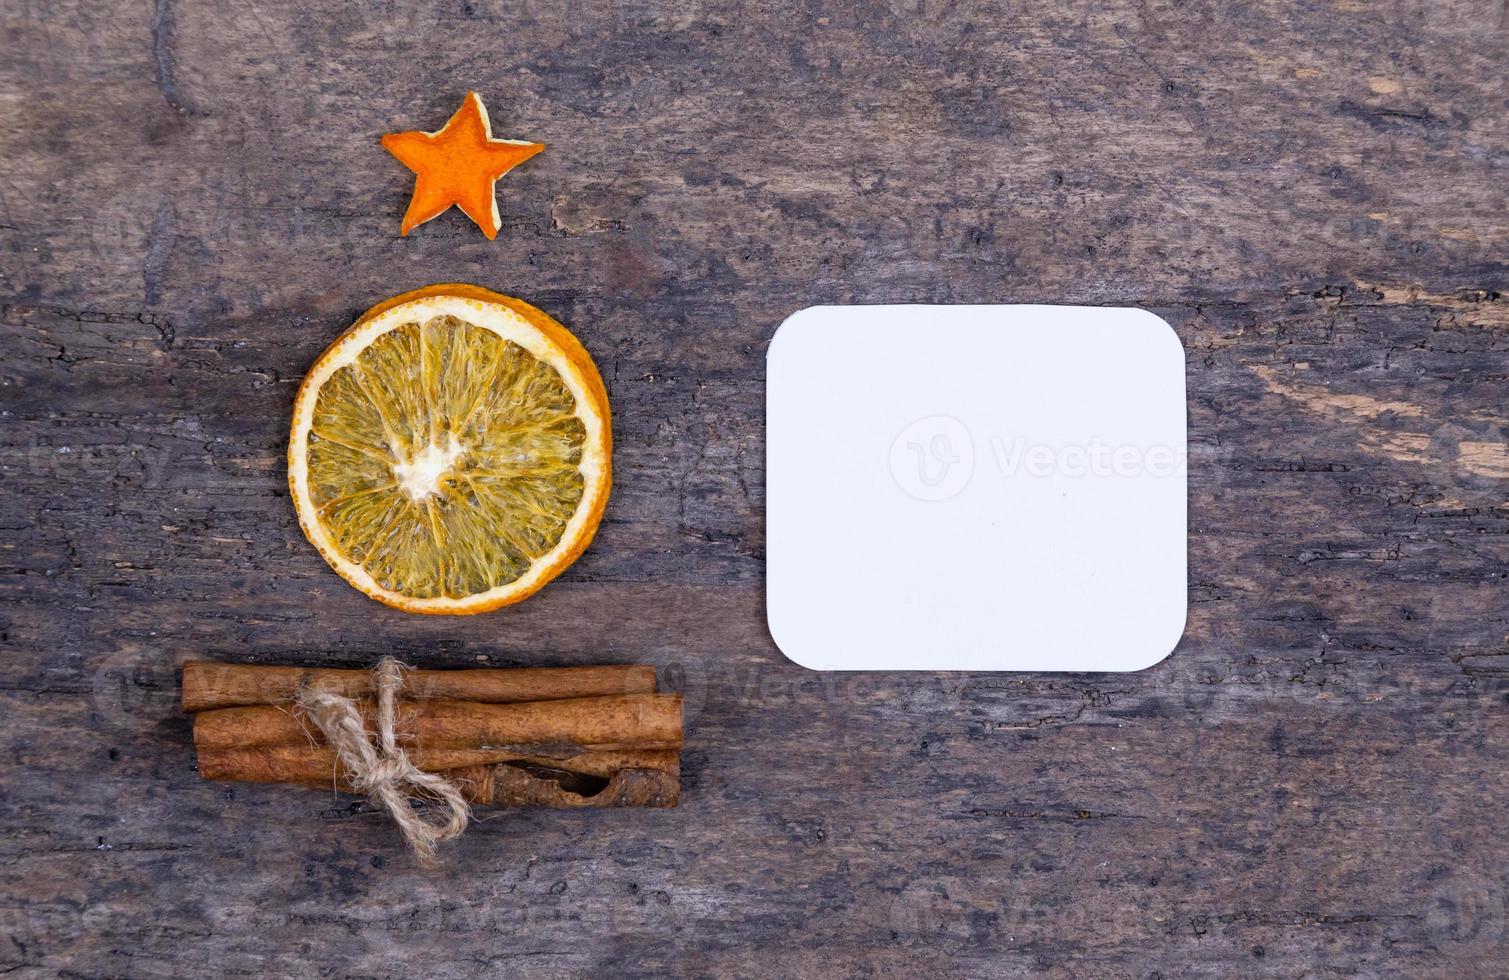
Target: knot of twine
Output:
[(380, 768)]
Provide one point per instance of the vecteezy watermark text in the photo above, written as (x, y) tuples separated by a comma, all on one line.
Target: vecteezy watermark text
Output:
[(934, 458)]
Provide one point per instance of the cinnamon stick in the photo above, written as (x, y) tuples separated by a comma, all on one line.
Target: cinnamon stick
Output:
[(208, 685), (513, 784), (544, 728), (317, 764)]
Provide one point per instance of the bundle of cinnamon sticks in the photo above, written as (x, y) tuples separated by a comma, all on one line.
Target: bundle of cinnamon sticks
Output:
[(561, 737)]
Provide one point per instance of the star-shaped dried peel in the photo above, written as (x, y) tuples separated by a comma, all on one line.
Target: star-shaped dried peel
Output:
[(458, 164)]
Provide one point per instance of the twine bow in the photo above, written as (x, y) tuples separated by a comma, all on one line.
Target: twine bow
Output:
[(382, 770)]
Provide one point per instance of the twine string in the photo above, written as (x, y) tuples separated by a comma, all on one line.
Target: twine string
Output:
[(382, 770)]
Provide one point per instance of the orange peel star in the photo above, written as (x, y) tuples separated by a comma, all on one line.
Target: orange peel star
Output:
[(458, 164)]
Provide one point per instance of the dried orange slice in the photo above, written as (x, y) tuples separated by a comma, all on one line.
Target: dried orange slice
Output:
[(451, 452)]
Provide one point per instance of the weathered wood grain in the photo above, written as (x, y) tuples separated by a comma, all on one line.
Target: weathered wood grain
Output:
[(193, 203)]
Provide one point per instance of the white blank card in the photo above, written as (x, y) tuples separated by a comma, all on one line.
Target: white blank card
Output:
[(976, 488)]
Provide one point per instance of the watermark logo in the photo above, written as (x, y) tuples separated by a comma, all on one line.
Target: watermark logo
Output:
[(688, 679), (134, 688), (20, 947), (933, 458), (931, 909), (1468, 914), (394, 21), (1477, 461)]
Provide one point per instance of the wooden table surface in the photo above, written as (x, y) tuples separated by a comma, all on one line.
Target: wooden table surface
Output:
[(193, 204)]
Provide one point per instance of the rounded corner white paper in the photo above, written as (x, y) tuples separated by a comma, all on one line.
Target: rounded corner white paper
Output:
[(976, 488)]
